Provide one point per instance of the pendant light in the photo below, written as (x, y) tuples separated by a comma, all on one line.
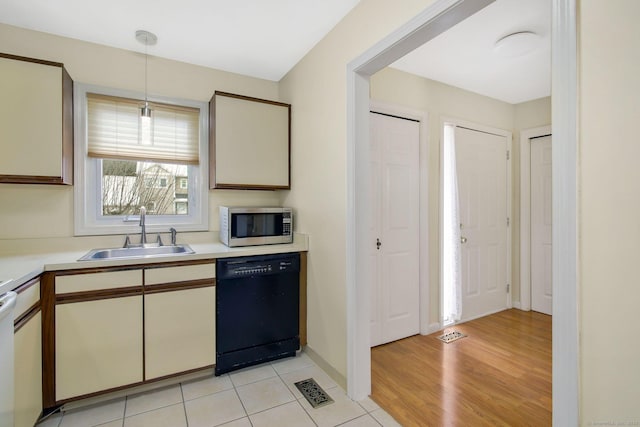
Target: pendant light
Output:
[(147, 39)]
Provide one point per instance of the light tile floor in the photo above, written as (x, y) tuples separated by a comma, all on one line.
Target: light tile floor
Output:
[(261, 396)]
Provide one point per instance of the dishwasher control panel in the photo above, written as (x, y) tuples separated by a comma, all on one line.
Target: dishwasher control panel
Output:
[(256, 265)]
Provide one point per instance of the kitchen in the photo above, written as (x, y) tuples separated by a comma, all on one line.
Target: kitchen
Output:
[(55, 241), (316, 89)]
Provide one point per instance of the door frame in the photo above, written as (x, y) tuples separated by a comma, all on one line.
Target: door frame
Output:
[(525, 213), (435, 19), (423, 190), (494, 131)]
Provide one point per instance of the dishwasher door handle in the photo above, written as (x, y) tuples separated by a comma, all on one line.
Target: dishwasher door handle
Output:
[(7, 302)]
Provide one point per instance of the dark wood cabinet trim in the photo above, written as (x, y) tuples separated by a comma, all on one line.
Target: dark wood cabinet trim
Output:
[(136, 384), (30, 179), (95, 295), (27, 59), (47, 299), (24, 318), (26, 285), (67, 129), (179, 286), (180, 263), (159, 264)]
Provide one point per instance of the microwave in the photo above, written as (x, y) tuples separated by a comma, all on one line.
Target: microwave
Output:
[(248, 226)]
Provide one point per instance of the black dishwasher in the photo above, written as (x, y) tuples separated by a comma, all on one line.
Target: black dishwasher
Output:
[(257, 310)]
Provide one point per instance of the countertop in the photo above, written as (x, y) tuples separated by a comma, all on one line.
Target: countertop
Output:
[(19, 269)]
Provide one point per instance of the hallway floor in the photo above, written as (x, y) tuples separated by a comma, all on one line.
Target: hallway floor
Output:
[(499, 375)]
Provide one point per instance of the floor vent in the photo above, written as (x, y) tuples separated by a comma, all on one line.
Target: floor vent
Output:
[(314, 394), (451, 336)]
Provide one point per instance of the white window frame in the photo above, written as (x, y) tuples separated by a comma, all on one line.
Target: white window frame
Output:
[(88, 218)]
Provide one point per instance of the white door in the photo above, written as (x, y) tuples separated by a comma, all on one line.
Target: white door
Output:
[(482, 186), (541, 296), (395, 308)]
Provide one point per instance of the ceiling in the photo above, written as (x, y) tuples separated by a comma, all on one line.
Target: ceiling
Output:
[(465, 57), (259, 38), (265, 39)]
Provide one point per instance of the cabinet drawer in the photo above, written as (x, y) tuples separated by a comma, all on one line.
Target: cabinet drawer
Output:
[(96, 281), (154, 276), (26, 299)]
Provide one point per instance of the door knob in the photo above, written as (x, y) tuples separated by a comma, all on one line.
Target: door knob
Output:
[(463, 240), (378, 243)]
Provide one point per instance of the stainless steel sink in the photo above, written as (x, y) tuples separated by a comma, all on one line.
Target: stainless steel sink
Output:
[(137, 252)]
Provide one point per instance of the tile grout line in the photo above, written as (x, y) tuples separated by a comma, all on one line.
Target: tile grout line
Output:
[(184, 406), (124, 413), (294, 396)]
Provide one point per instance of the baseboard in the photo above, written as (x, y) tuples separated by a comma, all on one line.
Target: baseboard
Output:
[(517, 305), (434, 327), (340, 379)]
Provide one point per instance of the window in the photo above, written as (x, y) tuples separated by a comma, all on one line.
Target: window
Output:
[(122, 164)]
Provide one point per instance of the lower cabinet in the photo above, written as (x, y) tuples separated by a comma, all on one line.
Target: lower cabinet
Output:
[(179, 331), (98, 345), (28, 372)]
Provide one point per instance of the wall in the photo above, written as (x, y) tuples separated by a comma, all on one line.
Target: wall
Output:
[(36, 211), (608, 211), (316, 87)]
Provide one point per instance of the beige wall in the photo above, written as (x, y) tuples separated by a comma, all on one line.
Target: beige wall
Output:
[(30, 211), (316, 87), (608, 211), (443, 101)]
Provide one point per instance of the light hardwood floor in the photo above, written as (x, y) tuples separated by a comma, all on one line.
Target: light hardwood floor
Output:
[(499, 375)]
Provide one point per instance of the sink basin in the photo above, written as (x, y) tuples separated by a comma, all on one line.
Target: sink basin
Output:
[(137, 252)]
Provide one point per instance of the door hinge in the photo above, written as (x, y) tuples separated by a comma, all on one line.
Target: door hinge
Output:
[(508, 154), (508, 221), (508, 287)]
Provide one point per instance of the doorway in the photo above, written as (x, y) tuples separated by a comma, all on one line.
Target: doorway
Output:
[(536, 220), (475, 221), (394, 219), (424, 27)]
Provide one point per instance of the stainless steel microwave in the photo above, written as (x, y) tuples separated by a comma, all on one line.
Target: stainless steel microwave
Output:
[(248, 226)]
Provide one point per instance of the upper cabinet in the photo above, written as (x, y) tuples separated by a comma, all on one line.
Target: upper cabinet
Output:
[(36, 121), (250, 143)]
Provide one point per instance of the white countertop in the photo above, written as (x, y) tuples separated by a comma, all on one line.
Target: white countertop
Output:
[(19, 269)]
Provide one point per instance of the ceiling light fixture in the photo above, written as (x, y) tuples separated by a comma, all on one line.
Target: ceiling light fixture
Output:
[(145, 135), (517, 44)]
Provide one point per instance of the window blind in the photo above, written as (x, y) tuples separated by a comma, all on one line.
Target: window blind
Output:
[(114, 131)]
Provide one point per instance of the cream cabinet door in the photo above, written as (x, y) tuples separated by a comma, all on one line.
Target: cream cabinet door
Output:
[(98, 345), (35, 122), (28, 372), (179, 331)]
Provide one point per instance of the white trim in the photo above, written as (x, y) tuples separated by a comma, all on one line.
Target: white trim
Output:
[(509, 213), (433, 327), (564, 107), (87, 208), (437, 18), (564, 116), (517, 305), (525, 212), (423, 118)]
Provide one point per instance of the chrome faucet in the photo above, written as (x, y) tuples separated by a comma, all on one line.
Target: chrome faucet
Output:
[(173, 236), (143, 236)]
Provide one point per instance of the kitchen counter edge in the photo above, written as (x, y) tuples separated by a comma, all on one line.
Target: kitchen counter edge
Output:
[(19, 269)]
